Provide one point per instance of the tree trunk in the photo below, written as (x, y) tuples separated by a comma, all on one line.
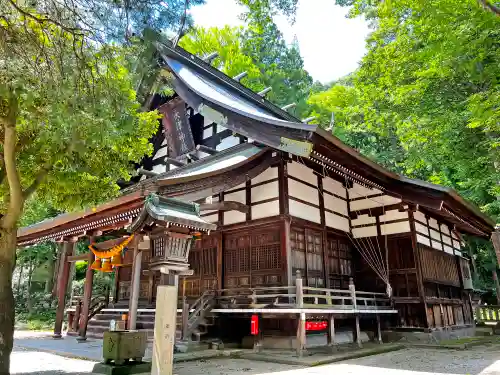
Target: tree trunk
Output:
[(51, 267), (8, 238)]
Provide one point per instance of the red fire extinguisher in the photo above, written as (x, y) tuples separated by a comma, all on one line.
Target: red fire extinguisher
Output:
[(254, 325)]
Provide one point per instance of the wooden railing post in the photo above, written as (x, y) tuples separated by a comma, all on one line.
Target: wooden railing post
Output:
[(185, 318), (352, 289), (301, 325)]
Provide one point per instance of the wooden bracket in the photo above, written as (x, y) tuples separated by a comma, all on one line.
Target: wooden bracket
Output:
[(225, 206)]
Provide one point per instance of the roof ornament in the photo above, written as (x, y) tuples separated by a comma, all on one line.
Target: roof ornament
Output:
[(180, 34), (240, 76), (288, 106), (332, 123), (309, 119), (210, 57), (265, 91)]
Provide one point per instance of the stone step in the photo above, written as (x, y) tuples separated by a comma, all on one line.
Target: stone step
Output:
[(111, 316)]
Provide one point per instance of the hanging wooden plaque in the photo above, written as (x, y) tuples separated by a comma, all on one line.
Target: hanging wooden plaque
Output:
[(177, 129)]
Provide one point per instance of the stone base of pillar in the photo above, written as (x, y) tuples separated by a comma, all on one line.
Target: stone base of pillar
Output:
[(141, 368)]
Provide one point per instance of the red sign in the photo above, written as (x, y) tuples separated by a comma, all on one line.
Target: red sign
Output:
[(254, 325), (316, 326)]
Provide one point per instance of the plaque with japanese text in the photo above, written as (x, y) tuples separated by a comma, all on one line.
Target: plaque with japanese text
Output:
[(177, 129)]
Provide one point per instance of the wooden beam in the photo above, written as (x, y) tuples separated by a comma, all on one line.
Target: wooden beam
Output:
[(207, 150), (174, 162), (225, 206), (192, 157), (144, 172), (87, 296), (77, 258)]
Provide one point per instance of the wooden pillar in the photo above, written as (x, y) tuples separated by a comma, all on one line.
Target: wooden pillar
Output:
[(164, 335), (301, 323), (379, 331), (185, 317), (136, 284), (495, 240), (87, 297), (116, 291), (331, 331), (352, 289), (62, 284)]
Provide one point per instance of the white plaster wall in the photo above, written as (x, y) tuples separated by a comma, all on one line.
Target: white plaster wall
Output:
[(364, 232), (361, 191), (268, 174), (421, 229), (393, 215), (211, 218), (265, 210), (266, 191), (237, 196), (448, 249), (456, 244), (304, 211), (392, 228), (363, 219), (372, 202), (335, 187), (336, 221), (436, 245), (433, 223), (423, 240), (304, 192), (420, 216), (232, 217), (303, 173), (435, 235), (207, 121), (220, 128), (447, 240), (335, 204), (208, 132)]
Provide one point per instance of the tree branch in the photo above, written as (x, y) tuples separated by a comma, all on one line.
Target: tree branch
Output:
[(40, 176), (16, 201), (489, 6), (71, 30)]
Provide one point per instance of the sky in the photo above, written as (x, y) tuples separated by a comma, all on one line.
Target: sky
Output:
[(330, 44)]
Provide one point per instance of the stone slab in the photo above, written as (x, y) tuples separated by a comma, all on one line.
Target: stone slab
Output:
[(130, 369)]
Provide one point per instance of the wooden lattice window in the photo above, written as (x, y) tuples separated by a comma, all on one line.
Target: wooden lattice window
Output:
[(339, 256), (298, 247), (158, 247), (237, 254), (265, 251), (315, 269)]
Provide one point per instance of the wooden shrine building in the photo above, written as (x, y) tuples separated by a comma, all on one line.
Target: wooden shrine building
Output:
[(307, 228)]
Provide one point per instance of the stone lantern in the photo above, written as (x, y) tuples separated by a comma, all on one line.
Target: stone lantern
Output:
[(180, 224)]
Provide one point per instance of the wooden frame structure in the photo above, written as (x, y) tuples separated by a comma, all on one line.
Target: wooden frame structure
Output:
[(287, 198)]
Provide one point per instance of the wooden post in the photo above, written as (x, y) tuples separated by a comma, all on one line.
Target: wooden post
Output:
[(331, 331), (77, 317), (301, 324), (352, 289), (136, 284), (87, 297), (185, 317), (116, 291), (497, 285), (62, 281), (379, 331)]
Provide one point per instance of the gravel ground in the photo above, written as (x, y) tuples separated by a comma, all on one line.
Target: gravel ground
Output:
[(477, 361)]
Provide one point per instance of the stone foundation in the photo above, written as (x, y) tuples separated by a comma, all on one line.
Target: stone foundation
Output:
[(429, 337), (312, 341)]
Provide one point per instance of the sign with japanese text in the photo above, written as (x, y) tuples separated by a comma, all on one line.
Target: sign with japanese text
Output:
[(177, 129)]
